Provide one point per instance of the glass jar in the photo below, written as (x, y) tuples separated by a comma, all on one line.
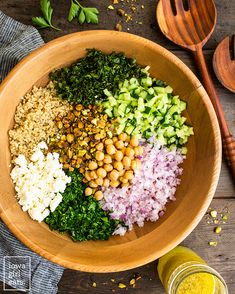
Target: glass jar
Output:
[(182, 271)]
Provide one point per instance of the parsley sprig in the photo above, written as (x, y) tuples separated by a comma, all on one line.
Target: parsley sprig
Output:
[(46, 20), (84, 14)]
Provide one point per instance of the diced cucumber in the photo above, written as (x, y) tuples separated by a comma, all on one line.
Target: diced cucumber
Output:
[(147, 110)]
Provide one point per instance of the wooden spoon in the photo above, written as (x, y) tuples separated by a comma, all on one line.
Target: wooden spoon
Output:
[(224, 63), (190, 23)]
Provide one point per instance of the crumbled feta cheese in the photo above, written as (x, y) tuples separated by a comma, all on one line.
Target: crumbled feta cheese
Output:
[(39, 183)]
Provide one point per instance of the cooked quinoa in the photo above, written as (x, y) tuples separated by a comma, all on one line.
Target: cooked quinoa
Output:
[(34, 119)]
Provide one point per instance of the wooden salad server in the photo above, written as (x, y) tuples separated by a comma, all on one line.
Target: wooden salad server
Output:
[(224, 63), (189, 24)]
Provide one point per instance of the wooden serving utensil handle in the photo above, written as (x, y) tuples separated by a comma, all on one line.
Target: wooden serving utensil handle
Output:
[(227, 138)]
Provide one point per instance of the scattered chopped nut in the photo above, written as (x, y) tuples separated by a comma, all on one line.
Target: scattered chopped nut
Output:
[(94, 284), (115, 1), (142, 6), (121, 285), (118, 27), (121, 12), (225, 217), (113, 280), (218, 230), (110, 7), (132, 282), (213, 243), (213, 213)]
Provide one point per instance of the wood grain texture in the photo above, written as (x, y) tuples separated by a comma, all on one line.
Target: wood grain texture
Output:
[(222, 256), (224, 62), (191, 27)]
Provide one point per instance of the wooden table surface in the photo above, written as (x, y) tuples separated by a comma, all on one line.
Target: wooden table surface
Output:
[(222, 257)]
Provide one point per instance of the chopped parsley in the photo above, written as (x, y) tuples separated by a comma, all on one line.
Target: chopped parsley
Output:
[(81, 216), (85, 81)]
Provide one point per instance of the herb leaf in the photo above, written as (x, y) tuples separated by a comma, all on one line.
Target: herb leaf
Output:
[(81, 17), (73, 11), (46, 10), (45, 21), (84, 14), (40, 21), (91, 15)]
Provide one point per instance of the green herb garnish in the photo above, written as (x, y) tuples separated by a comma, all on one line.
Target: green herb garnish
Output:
[(85, 81), (81, 216), (83, 14), (46, 20)]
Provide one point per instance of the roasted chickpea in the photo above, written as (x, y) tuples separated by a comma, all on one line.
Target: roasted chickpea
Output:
[(93, 184), (108, 167), (106, 183), (108, 141), (99, 155), (118, 165), (129, 152), (122, 136), (118, 155), (92, 165), (88, 191), (121, 172), (87, 176), (123, 150), (114, 175), (134, 164), (123, 180), (107, 158), (101, 172), (119, 144), (114, 183), (126, 161), (128, 139), (110, 149), (98, 195), (99, 181), (138, 150), (100, 163), (134, 142), (99, 146), (93, 175), (115, 139), (137, 164), (128, 175)]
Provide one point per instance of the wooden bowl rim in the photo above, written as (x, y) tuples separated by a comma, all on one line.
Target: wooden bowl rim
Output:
[(216, 168)]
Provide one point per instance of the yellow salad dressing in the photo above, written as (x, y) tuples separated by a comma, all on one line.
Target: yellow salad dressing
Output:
[(199, 283), (196, 283)]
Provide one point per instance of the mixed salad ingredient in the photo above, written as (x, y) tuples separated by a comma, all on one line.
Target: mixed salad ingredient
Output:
[(39, 182), (115, 141), (147, 107), (35, 120), (85, 81), (152, 187), (82, 217)]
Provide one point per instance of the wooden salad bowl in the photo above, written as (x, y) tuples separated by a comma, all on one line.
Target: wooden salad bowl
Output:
[(201, 168)]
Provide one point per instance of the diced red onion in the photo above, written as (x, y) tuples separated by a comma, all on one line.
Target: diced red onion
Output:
[(154, 184)]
